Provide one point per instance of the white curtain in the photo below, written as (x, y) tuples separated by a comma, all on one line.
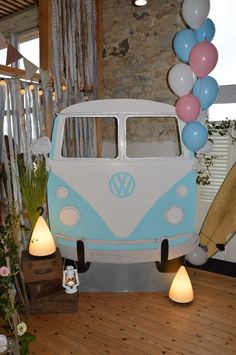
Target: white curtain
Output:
[(75, 64), (21, 121)]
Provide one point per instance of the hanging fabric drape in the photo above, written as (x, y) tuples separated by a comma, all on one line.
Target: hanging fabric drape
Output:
[(2, 113), (21, 121), (74, 65)]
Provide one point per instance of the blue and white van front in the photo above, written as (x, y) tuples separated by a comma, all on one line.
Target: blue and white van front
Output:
[(124, 206)]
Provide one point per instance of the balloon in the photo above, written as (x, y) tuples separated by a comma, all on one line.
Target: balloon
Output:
[(203, 58), (206, 90), (195, 12), (194, 136), (207, 148), (197, 256), (181, 79), (183, 42), (188, 108), (205, 31)]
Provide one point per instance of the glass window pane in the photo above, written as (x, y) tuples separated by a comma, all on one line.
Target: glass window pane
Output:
[(223, 16), (78, 130), (152, 137)]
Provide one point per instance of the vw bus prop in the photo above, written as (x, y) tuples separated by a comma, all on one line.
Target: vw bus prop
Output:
[(133, 198)]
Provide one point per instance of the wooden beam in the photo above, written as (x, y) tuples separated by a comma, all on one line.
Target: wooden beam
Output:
[(4, 70), (45, 33), (99, 38), (45, 40)]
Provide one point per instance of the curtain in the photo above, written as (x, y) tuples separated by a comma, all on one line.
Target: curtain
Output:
[(21, 121), (2, 112), (74, 65)]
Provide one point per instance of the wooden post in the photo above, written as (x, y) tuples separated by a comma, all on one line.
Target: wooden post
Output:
[(45, 33), (99, 33), (45, 38), (99, 36)]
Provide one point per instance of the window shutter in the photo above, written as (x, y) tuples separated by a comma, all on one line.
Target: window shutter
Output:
[(222, 150)]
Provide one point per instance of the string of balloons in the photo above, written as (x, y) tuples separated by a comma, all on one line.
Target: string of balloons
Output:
[(189, 80)]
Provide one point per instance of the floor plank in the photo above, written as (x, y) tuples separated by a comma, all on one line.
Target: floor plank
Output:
[(144, 323)]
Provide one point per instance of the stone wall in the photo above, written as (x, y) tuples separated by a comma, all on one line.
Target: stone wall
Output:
[(137, 48)]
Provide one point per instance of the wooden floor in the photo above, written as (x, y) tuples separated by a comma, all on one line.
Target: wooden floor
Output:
[(144, 323)]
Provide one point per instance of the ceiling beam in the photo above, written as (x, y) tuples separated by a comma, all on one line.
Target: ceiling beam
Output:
[(23, 21)]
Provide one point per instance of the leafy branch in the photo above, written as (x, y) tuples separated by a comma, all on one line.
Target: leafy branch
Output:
[(10, 293), (204, 173), (223, 128), (206, 161)]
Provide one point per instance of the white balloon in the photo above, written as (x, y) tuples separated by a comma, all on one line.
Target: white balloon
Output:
[(195, 12), (181, 79), (207, 148), (197, 256)]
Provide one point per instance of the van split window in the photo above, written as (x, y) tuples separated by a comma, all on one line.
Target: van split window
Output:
[(152, 137), (101, 131)]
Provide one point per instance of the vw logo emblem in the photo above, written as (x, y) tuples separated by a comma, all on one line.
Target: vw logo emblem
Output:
[(122, 184)]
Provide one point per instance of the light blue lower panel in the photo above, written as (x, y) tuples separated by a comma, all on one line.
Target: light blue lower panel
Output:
[(152, 226)]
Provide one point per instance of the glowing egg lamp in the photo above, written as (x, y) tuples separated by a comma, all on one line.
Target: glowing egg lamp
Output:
[(181, 290), (42, 242)]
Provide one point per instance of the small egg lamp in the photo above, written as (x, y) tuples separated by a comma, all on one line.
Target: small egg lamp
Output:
[(42, 242), (181, 290)]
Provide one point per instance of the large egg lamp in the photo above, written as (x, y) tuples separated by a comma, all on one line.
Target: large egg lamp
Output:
[(42, 242), (181, 290)]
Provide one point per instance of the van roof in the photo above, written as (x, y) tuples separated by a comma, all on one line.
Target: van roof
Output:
[(115, 106)]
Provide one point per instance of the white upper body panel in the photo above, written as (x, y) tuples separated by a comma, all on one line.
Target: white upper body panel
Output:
[(115, 106)]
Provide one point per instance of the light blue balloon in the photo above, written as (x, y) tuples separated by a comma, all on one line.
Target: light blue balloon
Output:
[(206, 31), (206, 90), (194, 136), (183, 43)]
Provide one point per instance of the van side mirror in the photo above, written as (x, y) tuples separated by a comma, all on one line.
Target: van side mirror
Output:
[(41, 146)]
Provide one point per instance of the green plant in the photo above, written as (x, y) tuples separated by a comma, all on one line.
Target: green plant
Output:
[(204, 173), (9, 260), (206, 161), (10, 306), (223, 128), (33, 182)]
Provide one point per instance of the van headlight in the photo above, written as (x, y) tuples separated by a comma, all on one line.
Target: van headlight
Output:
[(182, 191), (69, 216), (174, 215), (62, 192)]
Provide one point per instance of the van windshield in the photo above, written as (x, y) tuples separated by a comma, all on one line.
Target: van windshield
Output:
[(152, 137), (97, 137)]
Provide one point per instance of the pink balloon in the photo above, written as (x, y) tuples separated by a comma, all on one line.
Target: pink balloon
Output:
[(188, 108), (203, 58)]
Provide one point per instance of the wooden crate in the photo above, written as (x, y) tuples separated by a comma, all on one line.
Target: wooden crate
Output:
[(41, 268), (40, 289), (57, 302)]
